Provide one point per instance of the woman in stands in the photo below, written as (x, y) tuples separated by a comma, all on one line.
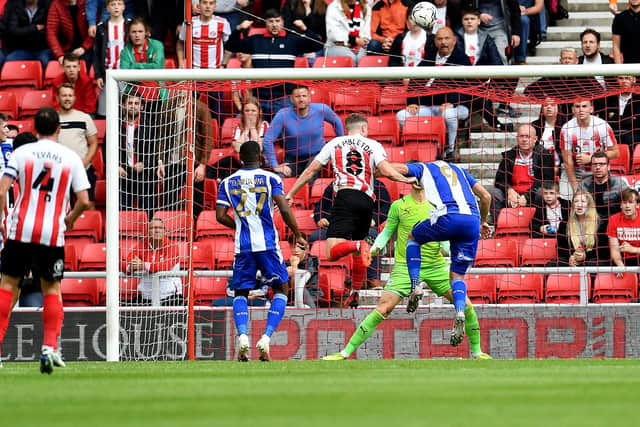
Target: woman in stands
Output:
[(582, 245), (348, 28), (303, 15), (548, 127)]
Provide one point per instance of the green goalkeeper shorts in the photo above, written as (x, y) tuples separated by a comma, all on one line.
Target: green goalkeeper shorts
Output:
[(436, 277)]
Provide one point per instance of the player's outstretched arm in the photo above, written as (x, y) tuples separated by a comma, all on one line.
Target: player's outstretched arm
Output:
[(395, 172), (223, 217), (5, 184), (289, 218), (82, 204), (305, 177)]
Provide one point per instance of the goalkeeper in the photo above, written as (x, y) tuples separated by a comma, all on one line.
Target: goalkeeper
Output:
[(403, 215)]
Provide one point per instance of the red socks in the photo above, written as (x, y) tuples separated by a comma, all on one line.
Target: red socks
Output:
[(358, 273), (52, 316), (6, 297), (342, 249)]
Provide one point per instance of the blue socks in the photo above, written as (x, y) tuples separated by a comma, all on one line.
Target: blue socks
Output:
[(241, 314), (413, 262), (459, 291), (276, 311)]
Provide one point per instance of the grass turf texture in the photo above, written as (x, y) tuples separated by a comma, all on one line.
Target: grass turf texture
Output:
[(399, 393)]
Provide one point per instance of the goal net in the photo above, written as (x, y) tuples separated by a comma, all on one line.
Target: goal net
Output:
[(540, 284)]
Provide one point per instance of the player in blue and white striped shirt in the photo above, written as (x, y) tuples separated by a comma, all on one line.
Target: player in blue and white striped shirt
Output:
[(251, 192), (456, 218)]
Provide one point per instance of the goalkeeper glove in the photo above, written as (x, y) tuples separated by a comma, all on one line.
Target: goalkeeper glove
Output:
[(374, 250)]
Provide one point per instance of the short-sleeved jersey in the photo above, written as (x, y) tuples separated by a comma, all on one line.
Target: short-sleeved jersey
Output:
[(45, 171), (75, 127), (447, 186), (596, 137), (6, 147), (249, 192), (404, 213), (208, 40), (625, 230), (354, 159)]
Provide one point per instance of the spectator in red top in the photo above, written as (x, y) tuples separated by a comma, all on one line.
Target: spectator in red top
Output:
[(67, 30), (84, 86), (153, 255), (624, 231)]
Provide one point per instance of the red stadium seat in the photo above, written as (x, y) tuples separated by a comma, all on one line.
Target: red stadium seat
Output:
[(219, 153), (79, 292), (538, 252), (481, 288), (208, 226), (317, 189), (301, 62), (392, 99), (224, 249), (176, 223), (304, 218), (519, 288), (101, 126), (88, 224), (635, 162), (98, 164), (608, 288), (21, 73), (301, 198), (564, 288), (333, 61), (285, 248), (319, 95), (319, 249), (202, 256), (373, 61), (494, 252), (332, 283), (356, 101), (401, 154), (207, 289), (32, 101), (328, 131), (100, 194), (210, 193), (93, 258), (53, 70), (514, 221), (384, 129), (128, 289), (228, 128), (133, 223), (9, 104), (70, 257), (621, 164), (23, 125), (424, 129)]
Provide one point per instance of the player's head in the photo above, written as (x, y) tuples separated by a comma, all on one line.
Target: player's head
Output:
[(66, 97), (47, 122), (115, 8), (629, 202), (273, 21), (71, 66), (445, 41), (22, 139), (250, 153), (357, 124), (139, 31)]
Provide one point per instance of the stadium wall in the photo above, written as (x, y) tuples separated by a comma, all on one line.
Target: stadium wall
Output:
[(516, 331)]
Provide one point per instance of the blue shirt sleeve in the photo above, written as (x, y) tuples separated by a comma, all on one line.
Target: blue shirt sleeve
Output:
[(223, 198), (415, 169), (273, 133), (331, 117), (470, 178), (276, 185)]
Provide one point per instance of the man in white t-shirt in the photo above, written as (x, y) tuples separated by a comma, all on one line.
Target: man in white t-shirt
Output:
[(580, 137), (77, 132)]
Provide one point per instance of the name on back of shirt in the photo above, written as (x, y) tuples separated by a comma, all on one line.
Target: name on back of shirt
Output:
[(252, 182), (360, 143), (47, 155)]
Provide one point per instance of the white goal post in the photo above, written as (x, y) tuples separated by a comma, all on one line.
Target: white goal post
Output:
[(114, 79)]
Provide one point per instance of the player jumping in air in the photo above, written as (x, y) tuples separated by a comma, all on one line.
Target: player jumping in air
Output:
[(251, 192), (403, 215), (355, 159)]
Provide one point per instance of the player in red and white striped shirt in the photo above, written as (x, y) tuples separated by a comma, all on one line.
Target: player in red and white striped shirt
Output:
[(355, 159), (209, 33), (45, 171)]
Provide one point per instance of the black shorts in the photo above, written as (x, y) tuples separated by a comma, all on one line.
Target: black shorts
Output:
[(351, 215), (46, 262)]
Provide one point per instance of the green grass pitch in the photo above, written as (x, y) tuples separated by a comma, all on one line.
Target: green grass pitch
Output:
[(392, 393)]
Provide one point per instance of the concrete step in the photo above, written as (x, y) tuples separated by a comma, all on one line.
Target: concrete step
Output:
[(482, 155), (552, 48), (543, 59), (587, 19), (498, 141), (572, 33), (587, 6), (484, 171)]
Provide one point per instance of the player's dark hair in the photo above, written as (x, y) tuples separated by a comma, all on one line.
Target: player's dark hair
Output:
[(595, 34), (23, 138), (272, 13), (47, 121), (600, 155), (250, 152), (354, 119)]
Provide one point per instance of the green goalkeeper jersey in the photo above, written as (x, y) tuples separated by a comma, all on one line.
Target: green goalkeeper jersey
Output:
[(403, 215)]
